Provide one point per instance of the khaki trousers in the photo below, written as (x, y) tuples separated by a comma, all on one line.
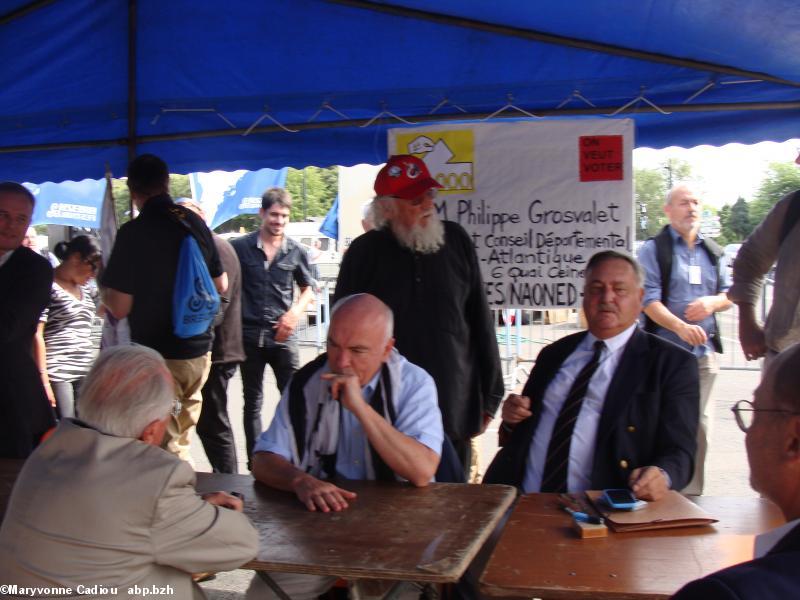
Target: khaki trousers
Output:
[(189, 374), (708, 367)]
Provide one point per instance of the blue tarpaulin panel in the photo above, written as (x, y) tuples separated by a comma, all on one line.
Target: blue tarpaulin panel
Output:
[(215, 69)]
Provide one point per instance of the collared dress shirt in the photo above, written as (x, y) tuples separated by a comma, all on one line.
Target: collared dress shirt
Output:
[(582, 446), (268, 286), (767, 541), (417, 416), (681, 292)]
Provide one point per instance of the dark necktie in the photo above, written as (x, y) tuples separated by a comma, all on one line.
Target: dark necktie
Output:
[(554, 478)]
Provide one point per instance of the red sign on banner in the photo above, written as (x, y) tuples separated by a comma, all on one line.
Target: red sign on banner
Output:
[(600, 157)]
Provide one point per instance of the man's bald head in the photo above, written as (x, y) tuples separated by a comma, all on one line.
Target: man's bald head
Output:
[(367, 309)]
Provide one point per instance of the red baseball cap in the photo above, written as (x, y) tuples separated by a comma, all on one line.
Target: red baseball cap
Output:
[(404, 176)]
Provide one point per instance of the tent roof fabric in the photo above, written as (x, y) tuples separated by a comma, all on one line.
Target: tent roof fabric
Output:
[(215, 82)]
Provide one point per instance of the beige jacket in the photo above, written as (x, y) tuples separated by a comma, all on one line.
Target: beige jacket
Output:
[(90, 509), (754, 260)]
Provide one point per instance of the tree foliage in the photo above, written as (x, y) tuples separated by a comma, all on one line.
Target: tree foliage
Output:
[(178, 188), (650, 190), (779, 180), (312, 198), (739, 222), (313, 191)]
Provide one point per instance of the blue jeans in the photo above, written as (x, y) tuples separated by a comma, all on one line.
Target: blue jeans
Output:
[(66, 393)]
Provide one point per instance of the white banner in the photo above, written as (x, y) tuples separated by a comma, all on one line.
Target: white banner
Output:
[(538, 199)]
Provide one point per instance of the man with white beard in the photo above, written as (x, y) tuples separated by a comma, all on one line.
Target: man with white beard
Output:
[(427, 272)]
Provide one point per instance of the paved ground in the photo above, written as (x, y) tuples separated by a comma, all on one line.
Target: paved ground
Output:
[(727, 472)]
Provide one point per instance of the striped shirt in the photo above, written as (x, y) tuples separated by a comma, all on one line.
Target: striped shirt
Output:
[(67, 334)]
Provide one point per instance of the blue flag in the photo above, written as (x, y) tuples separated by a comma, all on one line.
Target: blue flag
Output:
[(73, 203), (330, 226), (224, 195)]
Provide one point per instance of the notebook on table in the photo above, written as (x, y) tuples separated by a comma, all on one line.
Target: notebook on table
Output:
[(673, 510)]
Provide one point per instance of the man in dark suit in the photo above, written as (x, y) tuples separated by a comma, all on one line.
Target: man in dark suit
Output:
[(772, 426), (25, 280), (608, 408)]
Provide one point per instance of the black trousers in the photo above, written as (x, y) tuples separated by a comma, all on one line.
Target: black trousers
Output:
[(284, 361), (214, 426), (463, 450)]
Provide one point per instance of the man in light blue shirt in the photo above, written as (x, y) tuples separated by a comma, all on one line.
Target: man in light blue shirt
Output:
[(361, 412), (683, 289)]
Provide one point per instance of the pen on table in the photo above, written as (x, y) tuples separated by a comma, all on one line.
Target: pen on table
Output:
[(582, 516)]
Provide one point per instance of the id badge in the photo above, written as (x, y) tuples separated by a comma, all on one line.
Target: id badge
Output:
[(694, 275)]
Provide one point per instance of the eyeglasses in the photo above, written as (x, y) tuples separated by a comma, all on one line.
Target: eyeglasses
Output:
[(93, 262), (744, 411)]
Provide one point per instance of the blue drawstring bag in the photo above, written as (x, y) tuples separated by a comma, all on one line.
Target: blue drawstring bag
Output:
[(195, 300)]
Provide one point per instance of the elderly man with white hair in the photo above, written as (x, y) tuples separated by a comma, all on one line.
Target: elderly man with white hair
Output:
[(426, 270), (101, 509)]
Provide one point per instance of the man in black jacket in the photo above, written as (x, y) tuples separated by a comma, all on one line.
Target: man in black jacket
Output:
[(271, 264), (609, 408), (25, 280), (772, 425)]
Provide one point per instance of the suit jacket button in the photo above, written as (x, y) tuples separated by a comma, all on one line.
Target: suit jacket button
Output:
[(623, 463), (631, 428)]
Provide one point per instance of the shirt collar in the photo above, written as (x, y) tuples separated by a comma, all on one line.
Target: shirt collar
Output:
[(369, 389), (767, 541), (6, 256), (613, 343), (260, 243), (677, 236)]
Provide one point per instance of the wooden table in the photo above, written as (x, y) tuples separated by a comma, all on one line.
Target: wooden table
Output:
[(391, 531), (539, 555)]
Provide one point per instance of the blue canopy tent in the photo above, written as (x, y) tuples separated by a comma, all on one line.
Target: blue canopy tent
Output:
[(247, 85)]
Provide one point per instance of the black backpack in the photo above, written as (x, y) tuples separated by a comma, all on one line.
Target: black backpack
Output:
[(663, 242)]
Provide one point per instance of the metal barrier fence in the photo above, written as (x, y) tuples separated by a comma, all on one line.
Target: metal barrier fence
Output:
[(521, 334)]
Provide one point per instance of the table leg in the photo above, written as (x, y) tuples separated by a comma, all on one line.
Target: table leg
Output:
[(357, 591), (273, 585), (427, 591)]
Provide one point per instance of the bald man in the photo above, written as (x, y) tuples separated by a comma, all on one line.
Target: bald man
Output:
[(368, 414)]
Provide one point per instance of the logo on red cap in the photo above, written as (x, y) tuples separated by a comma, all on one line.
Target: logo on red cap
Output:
[(404, 176)]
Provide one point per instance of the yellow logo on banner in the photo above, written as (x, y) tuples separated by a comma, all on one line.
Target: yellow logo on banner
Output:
[(449, 155)]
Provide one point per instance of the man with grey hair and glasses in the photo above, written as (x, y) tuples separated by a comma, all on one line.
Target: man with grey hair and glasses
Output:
[(771, 423), (101, 509)]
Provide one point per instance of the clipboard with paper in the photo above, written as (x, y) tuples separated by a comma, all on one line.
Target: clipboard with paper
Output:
[(673, 510)]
